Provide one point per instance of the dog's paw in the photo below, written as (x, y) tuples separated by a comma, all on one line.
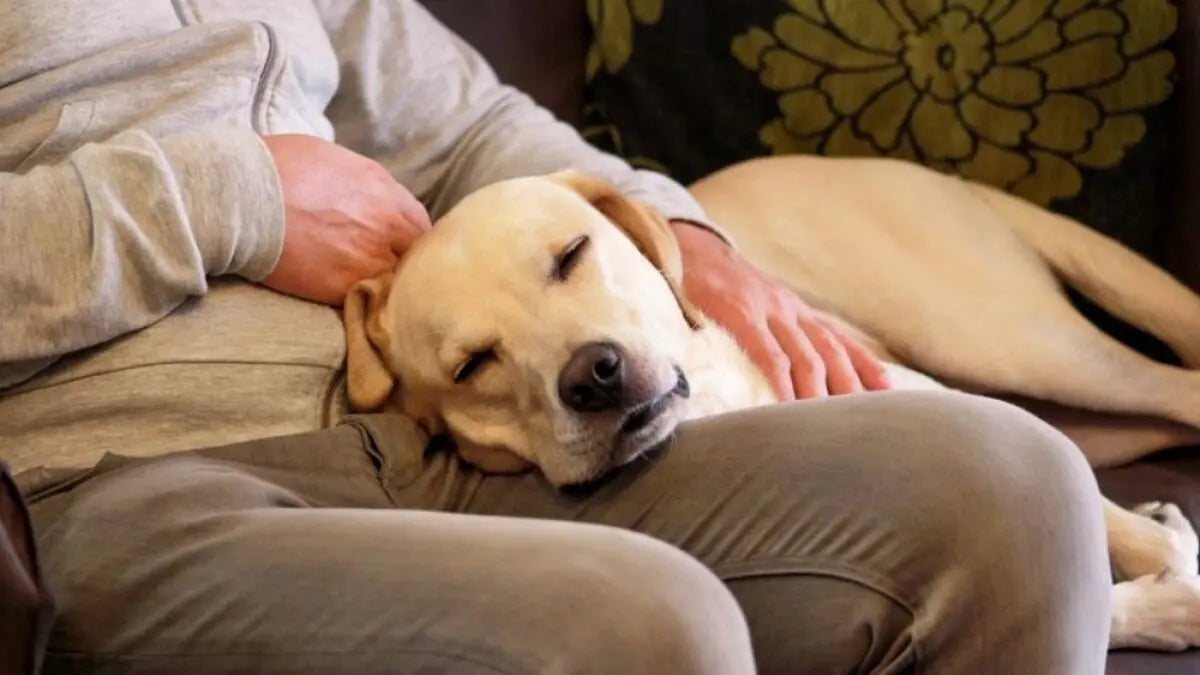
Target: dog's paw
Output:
[(1153, 538), (1183, 544), (1161, 613)]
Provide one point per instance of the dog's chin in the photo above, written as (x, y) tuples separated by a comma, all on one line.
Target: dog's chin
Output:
[(636, 432), (646, 434)]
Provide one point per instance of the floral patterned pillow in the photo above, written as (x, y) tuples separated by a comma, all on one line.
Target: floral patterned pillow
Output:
[(1066, 103)]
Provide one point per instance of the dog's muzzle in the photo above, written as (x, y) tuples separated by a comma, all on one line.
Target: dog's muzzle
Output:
[(599, 377)]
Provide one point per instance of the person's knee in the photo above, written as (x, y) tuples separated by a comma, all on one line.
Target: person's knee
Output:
[(994, 522), (1013, 465), (1013, 534), (940, 456), (643, 606), (968, 513), (994, 473), (927, 475), (1004, 434)]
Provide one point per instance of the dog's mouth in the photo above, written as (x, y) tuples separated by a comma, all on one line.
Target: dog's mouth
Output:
[(645, 414), (642, 429)]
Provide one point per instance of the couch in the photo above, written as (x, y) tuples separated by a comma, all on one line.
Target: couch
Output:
[(541, 47)]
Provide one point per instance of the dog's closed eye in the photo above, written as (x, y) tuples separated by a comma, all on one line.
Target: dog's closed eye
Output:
[(569, 257), (474, 362)]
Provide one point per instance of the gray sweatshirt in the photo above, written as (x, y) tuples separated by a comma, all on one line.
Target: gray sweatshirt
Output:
[(138, 204)]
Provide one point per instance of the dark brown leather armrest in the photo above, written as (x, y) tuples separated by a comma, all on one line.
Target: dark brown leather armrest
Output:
[(26, 606)]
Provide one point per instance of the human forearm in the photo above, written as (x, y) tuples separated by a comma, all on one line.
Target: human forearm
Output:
[(121, 232)]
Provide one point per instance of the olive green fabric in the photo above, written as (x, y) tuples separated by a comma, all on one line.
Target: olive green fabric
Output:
[(1063, 102)]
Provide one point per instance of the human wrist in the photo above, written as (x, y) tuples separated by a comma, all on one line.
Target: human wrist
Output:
[(233, 198)]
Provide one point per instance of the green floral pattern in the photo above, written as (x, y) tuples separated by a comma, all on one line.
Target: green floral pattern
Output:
[(613, 25), (1017, 93)]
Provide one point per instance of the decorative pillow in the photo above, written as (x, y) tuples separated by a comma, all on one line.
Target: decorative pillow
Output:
[(1066, 103)]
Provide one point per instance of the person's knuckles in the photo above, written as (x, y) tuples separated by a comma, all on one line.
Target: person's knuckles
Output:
[(403, 224), (869, 370), (781, 382), (830, 341), (874, 377), (813, 368), (780, 370), (777, 301), (419, 217), (395, 195), (777, 354), (762, 347), (374, 262), (806, 345), (843, 380)]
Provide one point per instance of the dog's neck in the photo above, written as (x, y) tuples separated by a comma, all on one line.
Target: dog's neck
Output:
[(721, 375)]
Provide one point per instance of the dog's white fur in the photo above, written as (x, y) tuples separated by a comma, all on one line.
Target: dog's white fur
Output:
[(935, 275)]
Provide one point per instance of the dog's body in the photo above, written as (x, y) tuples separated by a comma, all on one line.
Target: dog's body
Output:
[(585, 353), (958, 280)]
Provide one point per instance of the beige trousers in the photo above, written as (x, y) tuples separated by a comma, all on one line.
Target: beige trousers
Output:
[(883, 533)]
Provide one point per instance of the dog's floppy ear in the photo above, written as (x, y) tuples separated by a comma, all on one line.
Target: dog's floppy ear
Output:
[(643, 224), (368, 380)]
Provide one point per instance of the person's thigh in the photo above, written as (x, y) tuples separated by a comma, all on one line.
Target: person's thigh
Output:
[(864, 533), (876, 533), (190, 564)]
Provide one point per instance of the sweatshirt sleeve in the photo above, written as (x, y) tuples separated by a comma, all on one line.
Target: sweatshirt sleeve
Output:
[(420, 100), (120, 233)]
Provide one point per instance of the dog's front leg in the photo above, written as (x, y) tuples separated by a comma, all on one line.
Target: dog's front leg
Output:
[(1156, 600), (1152, 539), (1157, 613)]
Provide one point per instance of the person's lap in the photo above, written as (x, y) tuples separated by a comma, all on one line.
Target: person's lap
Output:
[(860, 533)]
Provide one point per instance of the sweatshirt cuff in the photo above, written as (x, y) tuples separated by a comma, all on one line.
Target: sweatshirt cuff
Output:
[(672, 200), (706, 225), (674, 212), (232, 197)]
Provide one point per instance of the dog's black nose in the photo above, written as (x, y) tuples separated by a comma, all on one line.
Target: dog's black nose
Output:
[(593, 379)]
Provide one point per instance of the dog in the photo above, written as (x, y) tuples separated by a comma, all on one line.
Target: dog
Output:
[(964, 283), (542, 324)]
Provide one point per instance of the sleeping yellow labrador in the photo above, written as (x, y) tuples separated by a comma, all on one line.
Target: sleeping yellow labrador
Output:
[(541, 323)]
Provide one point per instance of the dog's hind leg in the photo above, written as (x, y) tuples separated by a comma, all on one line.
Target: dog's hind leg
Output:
[(1114, 277), (1107, 439), (1052, 353)]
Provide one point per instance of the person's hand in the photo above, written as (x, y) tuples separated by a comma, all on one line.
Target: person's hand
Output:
[(346, 218), (802, 355)]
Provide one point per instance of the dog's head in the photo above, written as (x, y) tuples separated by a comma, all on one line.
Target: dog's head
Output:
[(541, 322)]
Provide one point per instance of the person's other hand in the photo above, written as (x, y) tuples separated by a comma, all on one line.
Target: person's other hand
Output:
[(802, 355), (346, 218)]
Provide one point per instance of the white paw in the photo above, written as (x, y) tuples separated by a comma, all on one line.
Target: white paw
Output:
[(1183, 544), (1160, 613)]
